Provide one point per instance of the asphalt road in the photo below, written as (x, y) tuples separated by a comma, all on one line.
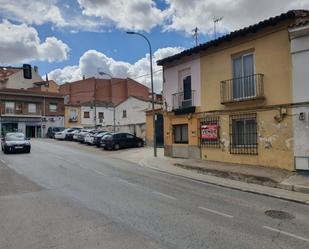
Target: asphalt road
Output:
[(88, 199)]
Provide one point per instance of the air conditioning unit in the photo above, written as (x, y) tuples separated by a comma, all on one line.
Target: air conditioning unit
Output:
[(51, 119), (44, 119)]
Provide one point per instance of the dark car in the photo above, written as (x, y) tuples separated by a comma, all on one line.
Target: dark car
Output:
[(97, 138), (53, 130), (117, 141), (15, 142)]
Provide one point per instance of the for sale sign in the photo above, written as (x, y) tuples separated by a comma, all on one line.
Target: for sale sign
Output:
[(209, 131)]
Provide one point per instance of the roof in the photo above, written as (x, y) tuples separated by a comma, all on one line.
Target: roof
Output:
[(135, 97), (6, 72), (301, 17), (10, 91)]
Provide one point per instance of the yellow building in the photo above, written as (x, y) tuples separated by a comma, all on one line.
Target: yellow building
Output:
[(230, 99), (72, 116)]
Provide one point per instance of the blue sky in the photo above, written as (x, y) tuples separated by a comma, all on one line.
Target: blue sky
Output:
[(71, 38)]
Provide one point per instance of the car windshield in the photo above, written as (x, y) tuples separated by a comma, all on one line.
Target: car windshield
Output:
[(15, 137)]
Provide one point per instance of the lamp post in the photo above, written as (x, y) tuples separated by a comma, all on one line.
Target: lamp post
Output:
[(114, 111), (152, 92)]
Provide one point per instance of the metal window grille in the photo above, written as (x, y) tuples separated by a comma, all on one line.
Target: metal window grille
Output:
[(209, 142), (243, 134)]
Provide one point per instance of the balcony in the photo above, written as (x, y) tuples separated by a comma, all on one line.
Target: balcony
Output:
[(183, 102), (242, 89)]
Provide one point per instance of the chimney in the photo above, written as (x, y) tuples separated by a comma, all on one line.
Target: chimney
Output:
[(36, 69), (84, 77)]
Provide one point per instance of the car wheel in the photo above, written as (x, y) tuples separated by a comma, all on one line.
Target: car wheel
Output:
[(5, 151), (116, 147), (140, 144)]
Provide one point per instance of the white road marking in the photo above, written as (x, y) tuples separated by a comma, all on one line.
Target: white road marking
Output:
[(216, 212), (164, 195), (286, 233), (127, 182), (2, 160), (99, 172)]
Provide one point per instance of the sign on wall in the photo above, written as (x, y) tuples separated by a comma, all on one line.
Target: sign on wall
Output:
[(209, 131)]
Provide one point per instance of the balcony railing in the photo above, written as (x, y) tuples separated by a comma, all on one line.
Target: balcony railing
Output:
[(242, 89), (182, 100)]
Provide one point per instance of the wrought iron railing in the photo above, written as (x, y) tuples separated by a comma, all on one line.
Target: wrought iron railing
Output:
[(182, 100), (243, 88)]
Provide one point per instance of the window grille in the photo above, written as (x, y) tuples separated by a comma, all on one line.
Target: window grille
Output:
[(209, 132), (243, 134)]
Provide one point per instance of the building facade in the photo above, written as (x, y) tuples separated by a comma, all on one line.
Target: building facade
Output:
[(246, 102), (30, 112), (299, 36), (14, 78)]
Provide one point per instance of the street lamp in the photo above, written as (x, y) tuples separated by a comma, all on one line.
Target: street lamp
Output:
[(114, 111), (152, 92)]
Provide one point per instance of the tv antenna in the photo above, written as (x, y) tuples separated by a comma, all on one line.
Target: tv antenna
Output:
[(216, 20), (195, 35)]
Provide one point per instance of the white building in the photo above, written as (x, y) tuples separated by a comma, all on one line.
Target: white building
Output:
[(300, 59), (182, 84), (104, 114)]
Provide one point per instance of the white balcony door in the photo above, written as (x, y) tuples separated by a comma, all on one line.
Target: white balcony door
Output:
[(243, 77)]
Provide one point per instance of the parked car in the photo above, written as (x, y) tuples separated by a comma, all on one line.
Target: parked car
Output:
[(70, 134), (82, 134), (97, 138), (62, 134), (51, 131), (89, 137), (117, 141), (15, 142)]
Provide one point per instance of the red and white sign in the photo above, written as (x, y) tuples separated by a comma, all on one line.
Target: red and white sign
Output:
[(209, 131)]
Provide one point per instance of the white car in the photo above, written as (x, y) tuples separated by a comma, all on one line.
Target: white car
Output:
[(62, 134), (89, 138)]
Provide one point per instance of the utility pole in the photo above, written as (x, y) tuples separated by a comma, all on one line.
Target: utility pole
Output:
[(216, 20), (195, 35)]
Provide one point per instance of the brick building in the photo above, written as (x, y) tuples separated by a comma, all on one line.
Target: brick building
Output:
[(30, 112), (113, 90)]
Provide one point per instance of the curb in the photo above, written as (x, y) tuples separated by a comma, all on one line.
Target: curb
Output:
[(284, 186)]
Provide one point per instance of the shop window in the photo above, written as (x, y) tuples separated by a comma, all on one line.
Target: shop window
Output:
[(243, 134), (52, 107), (31, 108), (86, 114), (9, 107), (209, 132), (180, 133)]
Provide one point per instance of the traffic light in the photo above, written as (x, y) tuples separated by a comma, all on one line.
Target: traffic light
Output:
[(27, 71)]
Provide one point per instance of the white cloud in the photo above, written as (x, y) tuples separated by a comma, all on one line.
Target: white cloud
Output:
[(32, 12), (92, 62), (21, 43), (131, 15), (185, 15)]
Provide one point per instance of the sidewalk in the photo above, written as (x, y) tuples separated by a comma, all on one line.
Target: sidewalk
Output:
[(266, 181)]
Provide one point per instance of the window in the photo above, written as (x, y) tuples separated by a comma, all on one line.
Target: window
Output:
[(124, 113), (180, 133), (86, 114), (209, 128), (101, 115), (243, 77), (32, 108), (52, 107), (73, 115), (18, 107), (130, 136), (243, 134), (9, 107)]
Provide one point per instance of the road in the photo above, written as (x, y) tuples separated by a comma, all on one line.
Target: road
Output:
[(88, 199)]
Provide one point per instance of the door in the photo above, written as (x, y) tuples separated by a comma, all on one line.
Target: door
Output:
[(187, 92), (243, 77), (131, 141), (30, 131), (159, 130)]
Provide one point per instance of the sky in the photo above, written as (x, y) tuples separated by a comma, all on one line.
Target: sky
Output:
[(67, 39)]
